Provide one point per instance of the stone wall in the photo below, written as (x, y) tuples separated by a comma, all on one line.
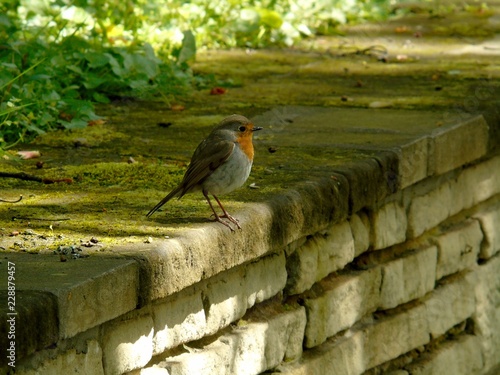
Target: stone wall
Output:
[(349, 274)]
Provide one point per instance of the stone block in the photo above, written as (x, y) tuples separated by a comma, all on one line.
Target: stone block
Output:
[(127, 345), (454, 146), (321, 255), (32, 332), (388, 226), (487, 315), (489, 220), (88, 291), (227, 296), (428, 210), (407, 278), (179, 319), (458, 247), (343, 300), (86, 361), (153, 370), (253, 347), (485, 179), (413, 161), (394, 335), (360, 228), (450, 303), (343, 356), (458, 357)]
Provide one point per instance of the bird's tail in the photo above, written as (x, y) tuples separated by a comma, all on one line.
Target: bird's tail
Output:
[(170, 195)]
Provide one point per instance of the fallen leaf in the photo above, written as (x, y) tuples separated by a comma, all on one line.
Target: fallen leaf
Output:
[(29, 154), (96, 122), (177, 107), (218, 91), (380, 104)]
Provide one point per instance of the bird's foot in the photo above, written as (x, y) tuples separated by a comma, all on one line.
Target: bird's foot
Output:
[(233, 220)]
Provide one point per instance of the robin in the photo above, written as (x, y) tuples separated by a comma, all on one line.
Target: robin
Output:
[(220, 164)]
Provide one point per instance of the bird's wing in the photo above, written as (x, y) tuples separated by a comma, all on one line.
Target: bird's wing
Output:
[(207, 157)]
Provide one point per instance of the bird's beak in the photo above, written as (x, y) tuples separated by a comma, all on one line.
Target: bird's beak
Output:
[(255, 128)]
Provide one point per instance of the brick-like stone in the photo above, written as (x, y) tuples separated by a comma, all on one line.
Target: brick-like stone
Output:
[(343, 356), (487, 315), (458, 247), (86, 361), (179, 319), (484, 179), (458, 357), (253, 347), (394, 335), (344, 300), (490, 222), (408, 277), (454, 146), (227, 296), (360, 228), (413, 161), (450, 303), (88, 292), (154, 370), (321, 255), (388, 225), (127, 345), (429, 210)]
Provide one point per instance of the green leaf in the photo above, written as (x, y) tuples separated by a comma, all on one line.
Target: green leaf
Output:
[(96, 60), (100, 98), (270, 18), (188, 48)]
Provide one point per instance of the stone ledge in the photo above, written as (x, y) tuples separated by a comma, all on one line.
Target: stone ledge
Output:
[(92, 291), (80, 294)]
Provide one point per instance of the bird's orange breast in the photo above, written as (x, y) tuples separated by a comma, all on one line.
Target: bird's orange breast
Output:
[(246, 145)]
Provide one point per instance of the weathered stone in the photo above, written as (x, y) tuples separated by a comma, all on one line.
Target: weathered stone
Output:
[(457, 145), (24, 325), (319, 256), (394, 335), (360, 228), (429, 210), (86, 362), (88, 291), (458, 357), (388, 226), (450, 304), (458, 248), (487, 315), (343, 301), (343, 356), (408, 278), (251, 348), (227, 297), (413, 161), (490, 221), (179, 319), (127, 345), (154, 370)]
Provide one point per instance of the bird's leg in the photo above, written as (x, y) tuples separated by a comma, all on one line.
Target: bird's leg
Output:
[(226, 214), (217, 217)]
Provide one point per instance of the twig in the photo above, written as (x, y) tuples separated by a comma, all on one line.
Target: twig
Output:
[(38, 218), (8, 201), (30, 177)]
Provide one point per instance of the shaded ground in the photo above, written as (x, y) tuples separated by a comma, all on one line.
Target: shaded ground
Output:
[(447, 65)]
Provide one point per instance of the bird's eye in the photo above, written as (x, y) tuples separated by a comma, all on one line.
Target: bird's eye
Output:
[(242, 128)]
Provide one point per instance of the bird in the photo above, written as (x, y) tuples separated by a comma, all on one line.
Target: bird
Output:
[(220, 164)]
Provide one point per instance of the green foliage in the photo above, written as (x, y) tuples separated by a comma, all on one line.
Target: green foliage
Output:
[(58, 57)]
